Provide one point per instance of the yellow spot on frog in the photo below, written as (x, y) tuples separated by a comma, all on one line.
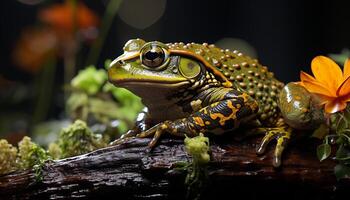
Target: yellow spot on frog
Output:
[(199, 121), (298, 98), (196, 105), (223, 118), (207, 122), (244, 96)]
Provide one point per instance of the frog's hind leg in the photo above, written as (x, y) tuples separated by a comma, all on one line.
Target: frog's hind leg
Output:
[(282, 134)]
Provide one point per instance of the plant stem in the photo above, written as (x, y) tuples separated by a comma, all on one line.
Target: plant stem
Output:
[(44, 85), (107, 20), (71, 46)]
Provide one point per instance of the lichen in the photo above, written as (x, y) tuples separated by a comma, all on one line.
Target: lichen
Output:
[(77, 139), (8, 154), (198, 149), (30, 154), (54, 151)]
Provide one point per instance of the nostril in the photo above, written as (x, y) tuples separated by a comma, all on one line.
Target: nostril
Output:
[(121, 62)]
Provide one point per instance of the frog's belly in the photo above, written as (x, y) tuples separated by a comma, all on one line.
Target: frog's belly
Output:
[(160, 113)]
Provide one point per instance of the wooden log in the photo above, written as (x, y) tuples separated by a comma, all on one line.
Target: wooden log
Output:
[(130, 171)]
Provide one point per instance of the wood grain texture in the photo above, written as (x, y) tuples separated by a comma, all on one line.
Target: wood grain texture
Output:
[(130, 171)]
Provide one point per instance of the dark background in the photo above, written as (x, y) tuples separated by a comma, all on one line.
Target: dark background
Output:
[(286, 34)]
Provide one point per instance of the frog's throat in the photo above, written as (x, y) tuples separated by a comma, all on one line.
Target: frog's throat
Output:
[(132, 55)]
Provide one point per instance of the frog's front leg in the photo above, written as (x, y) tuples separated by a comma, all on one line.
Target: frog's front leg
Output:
[(142, 123), (226, 112)]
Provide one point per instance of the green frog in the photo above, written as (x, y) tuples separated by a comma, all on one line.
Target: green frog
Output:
[(192, 88)]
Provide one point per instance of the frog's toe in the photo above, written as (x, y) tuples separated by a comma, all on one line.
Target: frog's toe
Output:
[(156, 131), (125, 137), (282, 135)]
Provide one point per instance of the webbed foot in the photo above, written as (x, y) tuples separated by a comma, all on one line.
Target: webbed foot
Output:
[(282, 135), (157, 131)]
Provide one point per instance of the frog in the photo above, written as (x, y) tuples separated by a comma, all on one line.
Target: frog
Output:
[(198, 88)]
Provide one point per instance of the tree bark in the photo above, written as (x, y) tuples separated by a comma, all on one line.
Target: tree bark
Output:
[(130, 171)]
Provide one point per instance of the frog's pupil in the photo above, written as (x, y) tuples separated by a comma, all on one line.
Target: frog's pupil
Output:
[(152, 55)]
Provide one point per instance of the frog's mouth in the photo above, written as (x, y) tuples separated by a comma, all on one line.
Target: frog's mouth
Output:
[(128, 76)]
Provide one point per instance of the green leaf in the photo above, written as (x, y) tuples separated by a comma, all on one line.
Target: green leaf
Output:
[(323, 151), (321, 132), (342, 171)]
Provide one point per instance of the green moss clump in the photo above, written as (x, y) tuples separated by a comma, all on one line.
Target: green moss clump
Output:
[(30, 154), (198, 148), (54, 151), (77, 139), (8, 154), (27, 156)]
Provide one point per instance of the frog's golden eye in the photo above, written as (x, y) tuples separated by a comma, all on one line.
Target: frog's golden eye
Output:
[(153, 56), (189, 68)]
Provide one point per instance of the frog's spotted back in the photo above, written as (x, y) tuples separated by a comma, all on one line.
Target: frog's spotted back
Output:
[(245, 74)]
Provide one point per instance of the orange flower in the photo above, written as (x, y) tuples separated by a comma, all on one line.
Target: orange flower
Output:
[(34, 47), (61, 17), (330, 83)]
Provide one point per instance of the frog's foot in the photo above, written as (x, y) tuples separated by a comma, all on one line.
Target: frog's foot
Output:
[(282, 135), (125, 137), (157, 131)]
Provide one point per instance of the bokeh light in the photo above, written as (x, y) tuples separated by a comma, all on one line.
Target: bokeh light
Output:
[(237, 44), (141, 14), (30, 2)]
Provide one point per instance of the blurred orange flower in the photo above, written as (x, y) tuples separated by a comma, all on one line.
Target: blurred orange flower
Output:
[(33, 49), (61, 17), (330, 83)]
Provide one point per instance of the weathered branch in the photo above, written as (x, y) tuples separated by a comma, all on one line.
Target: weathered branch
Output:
[(129, 170)]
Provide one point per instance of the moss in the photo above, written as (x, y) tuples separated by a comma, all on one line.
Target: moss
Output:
[(54, 151), (8, 154), (30, 154), (198, 148), (78, 139)]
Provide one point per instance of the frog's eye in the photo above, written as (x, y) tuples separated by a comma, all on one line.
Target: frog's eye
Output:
[(153, 56), (189, 68)]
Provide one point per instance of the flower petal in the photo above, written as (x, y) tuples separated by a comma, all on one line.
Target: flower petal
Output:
[(335, 106), (346, 71), (322, 99), (327, 72), (306, 77), (344, 88), (318, 88)]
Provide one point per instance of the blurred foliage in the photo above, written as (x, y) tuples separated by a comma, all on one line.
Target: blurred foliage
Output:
[(75, 140), (48, 131), (93, 98), (90, 80), (341, 57)]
